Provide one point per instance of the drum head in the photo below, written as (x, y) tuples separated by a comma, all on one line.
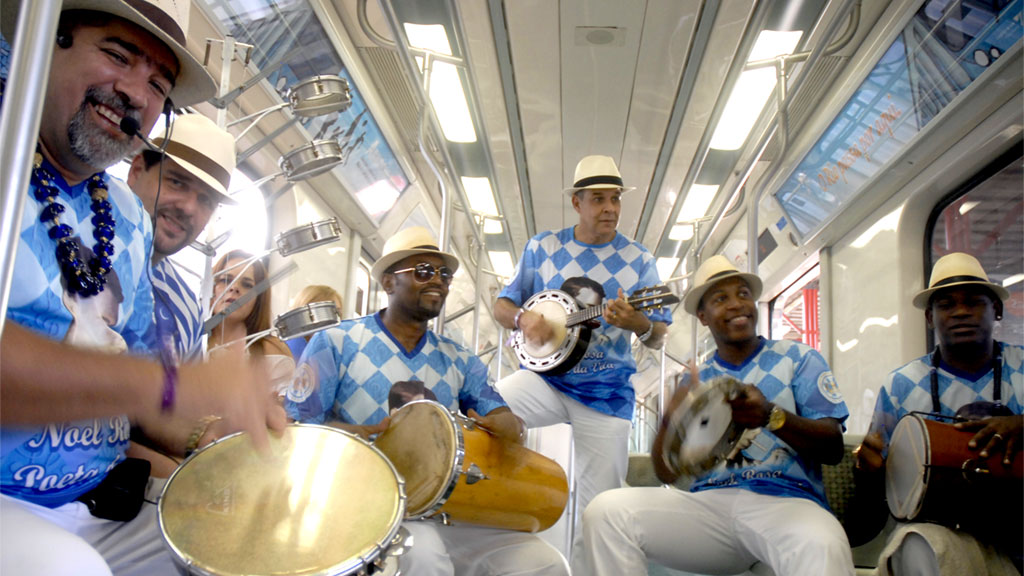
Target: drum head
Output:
[(704, 430), (906, 467), (424, 444), (321, 502)]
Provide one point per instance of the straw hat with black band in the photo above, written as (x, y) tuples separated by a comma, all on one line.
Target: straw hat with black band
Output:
[(957, 269), (712, 271), (165, 19), (597, 172), (203, 149), (409, 242)]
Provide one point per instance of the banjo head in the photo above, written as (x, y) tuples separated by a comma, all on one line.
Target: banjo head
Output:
[(555, 306)]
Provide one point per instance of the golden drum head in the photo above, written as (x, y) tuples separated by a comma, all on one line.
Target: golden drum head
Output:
[(322, 501), (424, 443)]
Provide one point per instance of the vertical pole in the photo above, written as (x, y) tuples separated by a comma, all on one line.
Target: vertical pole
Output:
[(355, 248), (476, 283)]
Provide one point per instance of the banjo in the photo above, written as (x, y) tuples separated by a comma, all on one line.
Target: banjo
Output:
[(569, 323)]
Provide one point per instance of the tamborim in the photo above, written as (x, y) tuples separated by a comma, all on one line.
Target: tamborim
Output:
[(321, 502), (307, 319), (310, 160), (455, 468), (308, 236), (702, 432), (319, 95), (931, 475)]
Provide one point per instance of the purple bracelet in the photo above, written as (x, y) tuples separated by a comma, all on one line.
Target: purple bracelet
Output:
[(170, 384)]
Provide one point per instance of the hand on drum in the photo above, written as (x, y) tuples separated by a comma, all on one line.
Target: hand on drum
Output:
[(229, 386), (750, 409), (502, 423), (366, 432), (869, 454), (996, 434), (535, 328)]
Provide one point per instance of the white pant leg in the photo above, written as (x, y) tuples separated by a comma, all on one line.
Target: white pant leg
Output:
[(795, 536), (39, 541), (428, 555), (533, 399), (133, 548), (480, 551), (626, 528)]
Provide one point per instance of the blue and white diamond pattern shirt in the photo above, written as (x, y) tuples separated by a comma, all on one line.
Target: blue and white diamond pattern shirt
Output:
[(52, 465), (909, 389), (797, 378), (601, 379), (347, 372), (177, 313)]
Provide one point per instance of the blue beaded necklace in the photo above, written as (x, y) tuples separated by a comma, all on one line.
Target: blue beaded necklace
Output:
[(83, 279)]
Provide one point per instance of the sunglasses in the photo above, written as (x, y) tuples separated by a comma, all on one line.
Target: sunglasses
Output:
[(424, 272)]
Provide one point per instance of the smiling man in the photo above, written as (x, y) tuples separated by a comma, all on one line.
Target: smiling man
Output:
[(767, 502), (346, 376), (972, 375), (191, 182)]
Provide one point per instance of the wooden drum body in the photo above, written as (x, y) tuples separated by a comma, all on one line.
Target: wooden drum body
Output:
[(321, 502), (456, 469)]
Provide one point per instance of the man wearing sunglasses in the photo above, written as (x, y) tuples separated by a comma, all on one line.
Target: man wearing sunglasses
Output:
[(346, 374)]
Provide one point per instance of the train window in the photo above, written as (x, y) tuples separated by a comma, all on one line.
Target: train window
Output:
[(795, 312), (985, 218), (362, 290)]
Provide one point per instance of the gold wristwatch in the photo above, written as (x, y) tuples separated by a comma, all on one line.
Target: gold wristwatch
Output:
[(776, 418)]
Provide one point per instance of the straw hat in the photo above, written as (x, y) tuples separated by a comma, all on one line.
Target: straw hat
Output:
[(203, 149), (957, 269), (597, 172), (165, 19), (409, 242), (711, 272)]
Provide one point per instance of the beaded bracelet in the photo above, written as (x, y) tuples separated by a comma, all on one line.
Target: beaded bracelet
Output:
[(647, 335), (198, 432)]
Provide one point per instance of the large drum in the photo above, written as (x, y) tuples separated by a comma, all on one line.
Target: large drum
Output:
[(454, 468), (701, 430), (321, 502), (931, 475)]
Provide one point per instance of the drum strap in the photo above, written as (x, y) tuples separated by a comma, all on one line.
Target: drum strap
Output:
[(997, 376)]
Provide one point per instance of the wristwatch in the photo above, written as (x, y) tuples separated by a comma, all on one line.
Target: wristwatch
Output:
[(776, 418)]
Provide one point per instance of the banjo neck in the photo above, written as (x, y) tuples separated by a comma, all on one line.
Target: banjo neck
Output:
[(592, 312)]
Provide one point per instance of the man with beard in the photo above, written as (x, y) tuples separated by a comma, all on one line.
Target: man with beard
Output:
[(972, 375), (770, 506), (191, 182), (66, 410), (345, 377)]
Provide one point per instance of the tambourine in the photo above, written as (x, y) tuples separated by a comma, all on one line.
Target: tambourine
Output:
[(701, 430), (310, 160), (308, 236), (319, 95), (306, 320)]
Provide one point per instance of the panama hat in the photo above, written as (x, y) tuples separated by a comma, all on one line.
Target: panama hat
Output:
[(711, 272), (409, 242), (957, 269), (165, 19), (597, 172), (203, 149)]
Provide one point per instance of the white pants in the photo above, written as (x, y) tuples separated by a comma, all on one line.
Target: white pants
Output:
[(600, 441), (921, 549), (465, 550), (42, 541), (721, 531)]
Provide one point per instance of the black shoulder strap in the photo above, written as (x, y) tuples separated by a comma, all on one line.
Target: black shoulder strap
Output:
[(936, 358), (997, 376)]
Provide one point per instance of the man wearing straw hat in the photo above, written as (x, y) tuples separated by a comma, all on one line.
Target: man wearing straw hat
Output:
[(969, 374), (346, 376), (596, 396), (764, 503), (67, 411)]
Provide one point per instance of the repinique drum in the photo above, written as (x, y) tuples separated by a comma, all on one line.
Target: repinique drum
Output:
[(321, 502), (308, 236), (931, 475), (307, 319), (702, 432), (456, 469), (319, 95), (310, 160)]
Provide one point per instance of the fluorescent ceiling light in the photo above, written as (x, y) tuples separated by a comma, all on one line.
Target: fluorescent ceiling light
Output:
[(752, 90), (378, 197), (666, 266), (968, 206), (681, 232), (697, 202), (1012, 280), (502, 262), (481, 198), (446, 92), (492, 226)]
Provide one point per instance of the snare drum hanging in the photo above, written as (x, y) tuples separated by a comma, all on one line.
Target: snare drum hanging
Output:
[(310, 160), (319, 95)]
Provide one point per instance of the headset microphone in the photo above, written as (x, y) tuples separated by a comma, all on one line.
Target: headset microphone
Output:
[(130, 126)]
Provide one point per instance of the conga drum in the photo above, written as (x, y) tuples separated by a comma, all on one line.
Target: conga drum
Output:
[(458, 470), (931, 475), (322, 502), (701, 431)]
